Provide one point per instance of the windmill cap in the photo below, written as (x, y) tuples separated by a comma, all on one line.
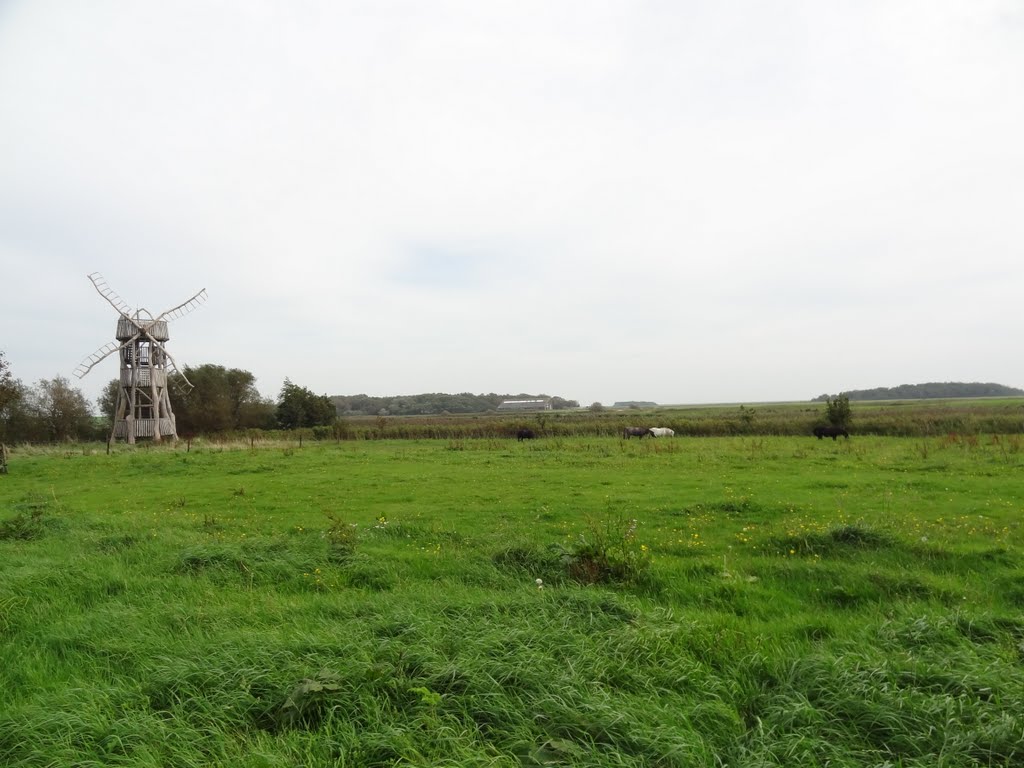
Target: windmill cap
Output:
[(128, 327)]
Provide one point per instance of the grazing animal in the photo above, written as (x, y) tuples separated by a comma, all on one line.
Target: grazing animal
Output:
[(833, 432), (638, 432), (525, 434), (661, 432)]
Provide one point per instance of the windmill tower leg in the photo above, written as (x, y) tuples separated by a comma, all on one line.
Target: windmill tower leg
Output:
[(120, 411), (133, 406), (155, 398), (165, 401)]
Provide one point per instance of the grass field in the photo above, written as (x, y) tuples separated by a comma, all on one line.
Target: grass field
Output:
[(745, 601)]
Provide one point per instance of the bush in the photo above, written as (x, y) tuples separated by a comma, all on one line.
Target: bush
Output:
[(837, 410)]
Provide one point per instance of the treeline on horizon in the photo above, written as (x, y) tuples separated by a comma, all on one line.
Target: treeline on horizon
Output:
[(434, 403), (931, 390)]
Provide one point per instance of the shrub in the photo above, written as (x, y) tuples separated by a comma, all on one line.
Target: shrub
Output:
[(837, 410)]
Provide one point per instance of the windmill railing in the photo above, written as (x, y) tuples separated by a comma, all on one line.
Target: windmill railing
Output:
[(143, 427), (144, 377)]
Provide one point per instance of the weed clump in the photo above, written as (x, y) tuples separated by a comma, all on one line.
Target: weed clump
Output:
[(118, 543), (729, 507), (308, 701), (364, 573), (842, 540), (341, 540), (24, 526), (208, 558), (546, 563), (31, 521), (608, 553)]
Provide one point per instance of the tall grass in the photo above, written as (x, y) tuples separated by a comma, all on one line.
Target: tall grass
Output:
[(746, 601)]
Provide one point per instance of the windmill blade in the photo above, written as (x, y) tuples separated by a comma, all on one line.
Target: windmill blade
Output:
[(105, 351), (171, 365), (184, 308), (107, 293)]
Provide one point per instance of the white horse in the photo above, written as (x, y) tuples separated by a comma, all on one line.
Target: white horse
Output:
[(661, 432)]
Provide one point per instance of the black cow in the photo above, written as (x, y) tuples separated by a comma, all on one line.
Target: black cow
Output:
[(525, 434), (833, 432)]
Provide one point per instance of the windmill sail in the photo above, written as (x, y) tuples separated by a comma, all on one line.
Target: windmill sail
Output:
[(184, 308), (103, 352), (108, 293)]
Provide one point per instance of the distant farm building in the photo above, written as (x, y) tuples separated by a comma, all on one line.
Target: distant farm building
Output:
[(525, 405)]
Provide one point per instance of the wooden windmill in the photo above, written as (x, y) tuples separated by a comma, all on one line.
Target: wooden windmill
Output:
[(143, 406)]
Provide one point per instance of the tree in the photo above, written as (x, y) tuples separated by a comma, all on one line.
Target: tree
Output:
[(10, 388), (298, 407), (107, 401), (837, 410), (249, 408), (595, 407), (11, 398), (220, 400), (61, 410)]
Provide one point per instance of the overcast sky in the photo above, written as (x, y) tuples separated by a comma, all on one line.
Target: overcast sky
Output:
[(685, 202)]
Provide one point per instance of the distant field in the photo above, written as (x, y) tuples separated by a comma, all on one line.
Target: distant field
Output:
[(895, 418), (743, 601)]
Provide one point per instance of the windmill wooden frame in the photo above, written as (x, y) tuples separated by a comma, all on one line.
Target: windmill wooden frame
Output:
[(143, 408)]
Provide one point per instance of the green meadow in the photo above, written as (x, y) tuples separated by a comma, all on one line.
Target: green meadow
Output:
[(702, 601)]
